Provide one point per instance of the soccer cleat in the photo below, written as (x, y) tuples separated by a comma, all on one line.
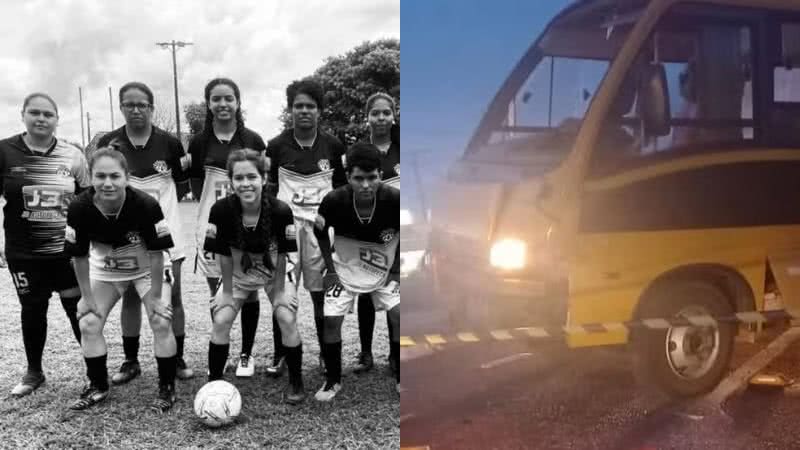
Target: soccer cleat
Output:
[(328, 391), (277, 367), (30, 382), (183, 372), (247, 366), (365, 363), (89, 397), (296, 393), (165, 399), (127, 371)]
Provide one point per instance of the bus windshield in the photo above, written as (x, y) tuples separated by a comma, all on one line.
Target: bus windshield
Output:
[(543, 102)]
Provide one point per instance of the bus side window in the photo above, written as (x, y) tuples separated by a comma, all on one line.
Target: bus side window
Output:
[(708, 64)]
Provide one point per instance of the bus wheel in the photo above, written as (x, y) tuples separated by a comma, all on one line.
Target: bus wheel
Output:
[(684, 361)]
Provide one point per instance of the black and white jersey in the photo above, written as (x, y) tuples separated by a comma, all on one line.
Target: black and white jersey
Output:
[(118, 245), (390, 165), (304, 175), (367, 250), (155, 168), (38, 189), (209, 163), (249, 271)]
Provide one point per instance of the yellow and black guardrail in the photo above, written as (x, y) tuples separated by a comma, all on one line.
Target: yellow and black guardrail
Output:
[(559, 332)]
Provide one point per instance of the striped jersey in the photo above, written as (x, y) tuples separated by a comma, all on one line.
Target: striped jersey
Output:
[(155, 168), (38, 189)]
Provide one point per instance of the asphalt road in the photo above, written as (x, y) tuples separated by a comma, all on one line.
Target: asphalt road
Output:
[(517, 395)]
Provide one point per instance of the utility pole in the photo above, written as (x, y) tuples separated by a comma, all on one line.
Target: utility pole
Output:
[(80, 97), (111, 107), (174, 45), (89, 126)]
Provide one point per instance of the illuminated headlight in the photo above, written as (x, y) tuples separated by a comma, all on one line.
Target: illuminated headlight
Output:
[(508, 254), (410, 262), (405, 217)]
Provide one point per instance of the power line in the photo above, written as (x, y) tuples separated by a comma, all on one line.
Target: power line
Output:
[(174, 45)]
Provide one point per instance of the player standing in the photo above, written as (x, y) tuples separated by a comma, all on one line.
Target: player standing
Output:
[(381, 112), (223, 133), (154, 162), (251, 231), (366, 226), (306, 163), (40, 175), (117, 236)]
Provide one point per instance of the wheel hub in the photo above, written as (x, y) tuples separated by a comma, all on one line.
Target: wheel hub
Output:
[(692, 350)]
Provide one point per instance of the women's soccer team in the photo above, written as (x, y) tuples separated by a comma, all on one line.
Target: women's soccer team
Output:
[(108, 228)]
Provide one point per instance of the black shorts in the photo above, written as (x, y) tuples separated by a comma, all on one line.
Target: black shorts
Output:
[(40, 278)]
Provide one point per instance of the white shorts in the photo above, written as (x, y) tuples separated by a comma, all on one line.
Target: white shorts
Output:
[(141, 285), (289, 298), (309, 260), (207, 263), (339, 301)]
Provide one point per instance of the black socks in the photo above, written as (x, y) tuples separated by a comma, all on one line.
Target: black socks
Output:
[(217, 357), (250, 313), (97, 372)]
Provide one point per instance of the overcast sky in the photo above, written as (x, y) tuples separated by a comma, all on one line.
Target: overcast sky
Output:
[(55, 46)]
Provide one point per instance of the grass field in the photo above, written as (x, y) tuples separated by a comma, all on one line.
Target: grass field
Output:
[(364, 415)]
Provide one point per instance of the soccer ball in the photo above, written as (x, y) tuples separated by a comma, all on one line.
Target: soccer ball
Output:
[(217, 403)]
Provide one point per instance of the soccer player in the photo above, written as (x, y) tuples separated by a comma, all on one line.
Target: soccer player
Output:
[(154, 162), (224, 132), (364, 215), (305, 164), (251, 231), (39, 174), (117, 236), (381, 112)]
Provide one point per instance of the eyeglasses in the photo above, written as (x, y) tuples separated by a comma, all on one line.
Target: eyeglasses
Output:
[(140, 106)]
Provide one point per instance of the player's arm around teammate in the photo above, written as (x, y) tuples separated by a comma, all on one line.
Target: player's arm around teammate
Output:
[(117, 236), (251, 232)]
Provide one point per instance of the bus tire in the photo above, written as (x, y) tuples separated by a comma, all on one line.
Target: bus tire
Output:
[(684, 361)]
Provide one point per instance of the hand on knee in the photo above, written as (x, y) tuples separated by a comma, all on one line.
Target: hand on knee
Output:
[(90, 325), (160, 325)]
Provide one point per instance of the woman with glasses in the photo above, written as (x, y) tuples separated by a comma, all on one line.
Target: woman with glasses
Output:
[(154, 162), (39, 175)]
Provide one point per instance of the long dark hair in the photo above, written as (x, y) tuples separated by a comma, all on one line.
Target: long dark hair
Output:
[(209, 126), (264, 226)]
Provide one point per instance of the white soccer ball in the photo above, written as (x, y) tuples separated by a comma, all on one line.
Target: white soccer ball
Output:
[(217, 403)]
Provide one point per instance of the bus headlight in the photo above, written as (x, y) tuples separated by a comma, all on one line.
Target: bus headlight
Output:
[(508, 254)]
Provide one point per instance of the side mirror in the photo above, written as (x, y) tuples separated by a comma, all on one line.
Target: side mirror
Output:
[(653, 101)]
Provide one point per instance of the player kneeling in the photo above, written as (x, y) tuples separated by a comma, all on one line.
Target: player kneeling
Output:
[(252, 231), (117, 236), (364, 215)]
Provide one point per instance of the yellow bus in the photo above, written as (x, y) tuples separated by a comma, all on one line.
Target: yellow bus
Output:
[(641, 160)]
